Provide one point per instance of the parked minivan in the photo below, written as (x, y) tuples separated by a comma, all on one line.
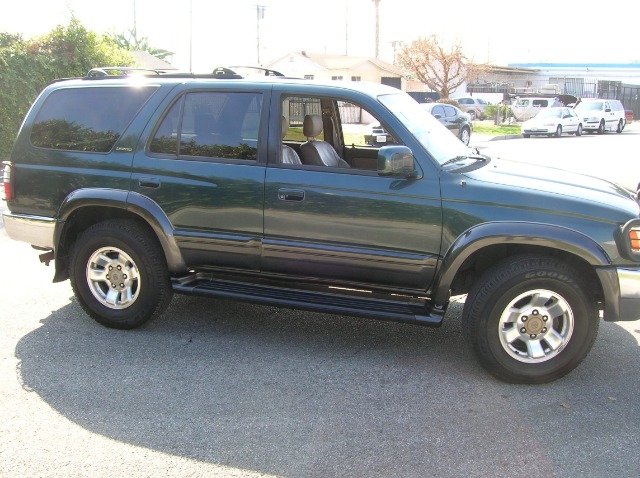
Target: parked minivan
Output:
[(600, 115), (526, 108)]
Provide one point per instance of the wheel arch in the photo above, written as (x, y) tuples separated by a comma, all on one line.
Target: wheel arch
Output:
[(85, 207), (480, 247)]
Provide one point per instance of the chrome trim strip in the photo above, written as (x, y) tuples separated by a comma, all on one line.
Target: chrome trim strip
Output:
[(35, 230), (629, 283)]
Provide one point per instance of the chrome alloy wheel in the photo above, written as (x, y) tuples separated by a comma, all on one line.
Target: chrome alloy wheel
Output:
[(536, 326), (113, 278)]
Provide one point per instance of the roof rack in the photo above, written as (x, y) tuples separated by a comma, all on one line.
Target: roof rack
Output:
[(267, 71), (124, 71)]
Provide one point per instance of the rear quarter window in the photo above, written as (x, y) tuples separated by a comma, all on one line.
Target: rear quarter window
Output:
[(87, 119)]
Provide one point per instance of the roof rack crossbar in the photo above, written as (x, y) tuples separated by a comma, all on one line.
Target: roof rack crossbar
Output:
[(267, 71), (125, 70)]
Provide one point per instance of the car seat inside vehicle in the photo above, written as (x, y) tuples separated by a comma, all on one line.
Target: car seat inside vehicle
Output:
[(316, 152), (288, 155)]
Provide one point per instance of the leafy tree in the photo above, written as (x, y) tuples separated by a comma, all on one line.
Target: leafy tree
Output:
[(131, 42), (441, 69), (27, 66)]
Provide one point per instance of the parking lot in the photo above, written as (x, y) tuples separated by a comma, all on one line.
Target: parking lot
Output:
[(220, 388)]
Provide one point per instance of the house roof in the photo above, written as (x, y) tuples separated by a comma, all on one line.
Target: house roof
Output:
[(345, 62), (632, 66), (145, 59)]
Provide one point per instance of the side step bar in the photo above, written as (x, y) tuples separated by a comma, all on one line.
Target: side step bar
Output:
[(336, 303)]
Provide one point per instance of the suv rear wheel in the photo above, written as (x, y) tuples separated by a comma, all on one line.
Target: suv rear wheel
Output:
[(119, 275), (529, 320)]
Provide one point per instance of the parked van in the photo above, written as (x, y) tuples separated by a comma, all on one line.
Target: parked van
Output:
[(526, 108), (600, 115)]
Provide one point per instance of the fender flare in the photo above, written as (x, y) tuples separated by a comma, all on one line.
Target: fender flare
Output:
[(143, 207), (513, 233)]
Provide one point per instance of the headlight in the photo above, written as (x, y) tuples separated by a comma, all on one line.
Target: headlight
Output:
[(630, 238)]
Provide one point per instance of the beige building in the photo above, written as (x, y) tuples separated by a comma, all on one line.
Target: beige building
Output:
[(322, 67)]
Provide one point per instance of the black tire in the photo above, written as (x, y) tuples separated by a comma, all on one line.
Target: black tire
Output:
[(558, 131), (525, 135), (601, 127), (124, 252), (550, 334), (579, 130), (620, 127), (465, 135)]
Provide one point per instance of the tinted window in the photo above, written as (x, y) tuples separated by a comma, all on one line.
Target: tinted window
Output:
[(212, 125), (449, 111), (438, 110), (87, 119), (465, 101)]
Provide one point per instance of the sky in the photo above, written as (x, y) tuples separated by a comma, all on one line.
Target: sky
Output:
[(205, 34)]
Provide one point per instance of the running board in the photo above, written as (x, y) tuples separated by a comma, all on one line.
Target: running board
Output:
[(336, 303)]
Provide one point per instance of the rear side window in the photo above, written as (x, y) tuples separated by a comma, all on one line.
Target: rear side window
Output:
[(541, 103), (211, 125), (87, 119)]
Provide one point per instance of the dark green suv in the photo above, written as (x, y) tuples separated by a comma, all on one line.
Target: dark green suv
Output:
[(140, 185)]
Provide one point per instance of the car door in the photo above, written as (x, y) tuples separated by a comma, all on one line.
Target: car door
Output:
[(348, 225), (452, 120), (609, 117), (570, 121), (204, 166)]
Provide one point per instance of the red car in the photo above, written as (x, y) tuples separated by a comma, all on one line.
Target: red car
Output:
[(628, 116)]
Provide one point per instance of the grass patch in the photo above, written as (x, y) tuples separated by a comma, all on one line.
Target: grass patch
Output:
[(489, 128)]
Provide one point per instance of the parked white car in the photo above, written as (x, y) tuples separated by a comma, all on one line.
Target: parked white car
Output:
[(553, 121), (600, 115)]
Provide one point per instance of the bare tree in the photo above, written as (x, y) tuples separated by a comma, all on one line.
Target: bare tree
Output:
[(443, 70)]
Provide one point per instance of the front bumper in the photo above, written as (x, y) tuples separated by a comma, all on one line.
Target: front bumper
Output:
[(540, 130), (621, 287), (591, 125), (629, 280), (35, 230)]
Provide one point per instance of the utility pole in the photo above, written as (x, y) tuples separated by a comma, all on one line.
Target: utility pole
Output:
[(346, 27), (377, 4), (259, 16)]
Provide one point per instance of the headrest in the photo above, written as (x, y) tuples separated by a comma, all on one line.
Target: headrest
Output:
[(312, 126), (285, 126)]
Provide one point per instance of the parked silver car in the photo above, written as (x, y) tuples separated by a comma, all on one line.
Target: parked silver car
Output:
[(474, 106)]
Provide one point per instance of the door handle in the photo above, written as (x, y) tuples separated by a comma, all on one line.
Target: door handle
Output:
[(148, 182), (291, 194)]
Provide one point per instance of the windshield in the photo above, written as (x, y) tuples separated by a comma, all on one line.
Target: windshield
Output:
[(435, 137), (549, 113), (589, 106)]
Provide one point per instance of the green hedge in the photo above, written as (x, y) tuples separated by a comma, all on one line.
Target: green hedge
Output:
[(27, 66)]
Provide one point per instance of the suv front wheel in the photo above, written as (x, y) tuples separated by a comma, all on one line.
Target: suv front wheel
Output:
[(119, 275), (529, 320)]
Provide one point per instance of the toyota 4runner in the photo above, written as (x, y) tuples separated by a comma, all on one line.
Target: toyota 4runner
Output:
[(137, 186)]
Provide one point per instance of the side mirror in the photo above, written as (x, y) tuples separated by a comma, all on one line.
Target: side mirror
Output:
[(396, 161)]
